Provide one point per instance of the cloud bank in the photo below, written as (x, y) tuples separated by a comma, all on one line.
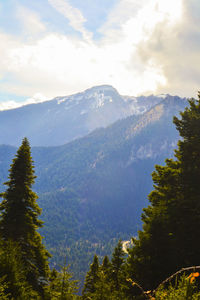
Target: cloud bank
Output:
[(146, 46), (176, 49)]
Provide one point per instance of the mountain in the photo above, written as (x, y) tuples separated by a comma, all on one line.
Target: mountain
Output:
[(64, 119), (92, 190)]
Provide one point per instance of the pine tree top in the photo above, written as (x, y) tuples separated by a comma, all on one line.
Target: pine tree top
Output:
[(19, 217)]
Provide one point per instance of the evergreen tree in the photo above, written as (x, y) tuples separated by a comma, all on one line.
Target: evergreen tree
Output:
[(171, 223), (106, 267), (117, 274), (102, 288), (3, 287), (19, 218), (91, 279), (12, 273), (103, 285), (61, 286), (117, 267)]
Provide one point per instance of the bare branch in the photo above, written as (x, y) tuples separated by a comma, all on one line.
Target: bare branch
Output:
[(194, 269)]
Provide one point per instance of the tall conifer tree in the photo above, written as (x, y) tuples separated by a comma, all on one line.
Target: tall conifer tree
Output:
[(91, 279), (19, 218), (117, 266), (171, 223)]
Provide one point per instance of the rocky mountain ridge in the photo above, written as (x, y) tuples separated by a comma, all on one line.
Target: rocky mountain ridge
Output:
[(63, 119)]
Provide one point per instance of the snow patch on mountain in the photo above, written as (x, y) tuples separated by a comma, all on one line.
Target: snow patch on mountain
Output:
[(65, 118)]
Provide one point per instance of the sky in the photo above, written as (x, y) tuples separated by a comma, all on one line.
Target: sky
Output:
[(52, 48)]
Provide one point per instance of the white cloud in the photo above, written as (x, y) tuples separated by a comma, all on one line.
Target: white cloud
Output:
[(37, 98), (7, 43), (58, 65), (176, 49), (10, 104), (135, 19), (31, 23), (74, 15), (147, 46)]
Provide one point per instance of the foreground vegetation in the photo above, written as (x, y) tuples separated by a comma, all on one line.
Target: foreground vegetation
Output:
[(24, 268), (171, 222), (167, 243), (110, 280)]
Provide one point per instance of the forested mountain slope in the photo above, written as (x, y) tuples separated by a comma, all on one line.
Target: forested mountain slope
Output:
[(93, 189)]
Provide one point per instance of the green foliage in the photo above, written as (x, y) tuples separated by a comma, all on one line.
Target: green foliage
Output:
[(184, 288), (19, 219), (102, 288), (3, 287), (24, 271), (117, 268), (61, 286), (92, 277), (108, 280), (106, 267), (13, 274), (171, 223)]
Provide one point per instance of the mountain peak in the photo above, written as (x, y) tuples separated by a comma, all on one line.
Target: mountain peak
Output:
[(64, 119), (102, 88)]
